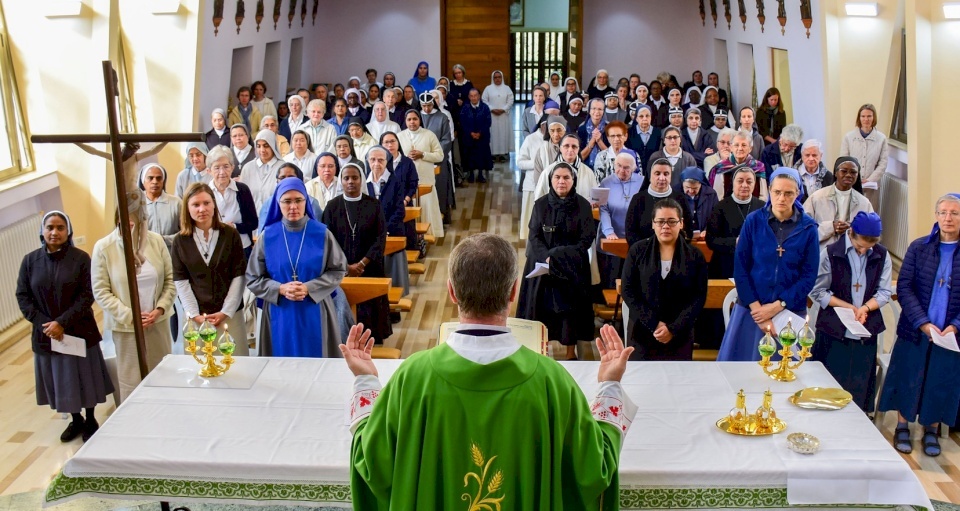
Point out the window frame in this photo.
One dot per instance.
(16, 129)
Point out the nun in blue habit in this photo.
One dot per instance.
(295, 267)
(775, 266)
(923, 382)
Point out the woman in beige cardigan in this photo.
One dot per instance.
(869, 147)
(157, 291)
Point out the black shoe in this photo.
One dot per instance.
(395, 317)
(482, 178)
(89, 428)
(470, 177)
(73, 431)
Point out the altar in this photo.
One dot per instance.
(275, 431)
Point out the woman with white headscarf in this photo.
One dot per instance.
(298, 116)
(218, 134)
(556, 86)
(196, 171)
(423, 147)
(260, 175)
(54, 294)
(499, 98)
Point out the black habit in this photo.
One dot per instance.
(361, 230)
(723, 229)
(639, 221)
(563, 230)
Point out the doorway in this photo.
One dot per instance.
(533, 56)
(781, 79)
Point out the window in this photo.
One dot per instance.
(898, 128)
(15, 150)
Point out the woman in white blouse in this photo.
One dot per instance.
(235, 204)
(209, 265)
(156, 289)
(302, 154)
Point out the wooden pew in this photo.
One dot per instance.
(424, 189)
(395, 244)
(411, 213)
(620, 248)
(361, 289)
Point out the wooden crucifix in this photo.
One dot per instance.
(115, 138)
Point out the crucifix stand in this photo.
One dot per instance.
(115, 138)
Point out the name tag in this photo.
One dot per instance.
(549, 228)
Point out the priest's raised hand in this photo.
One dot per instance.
(613, 356)
(356, 350)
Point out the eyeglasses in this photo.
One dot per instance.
(292, 202)
(672, 222)
(673, 137)
(952, 214)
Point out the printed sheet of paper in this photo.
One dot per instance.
(599, 196)
(849, 320)
(786, 316)
(540, 269)
(948, 341)
(70, 345)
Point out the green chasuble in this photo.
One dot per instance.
(517, 434)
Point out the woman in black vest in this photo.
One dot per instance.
(855, 274)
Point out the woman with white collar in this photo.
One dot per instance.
(218, 134)
(261, 173)
(422, 146)
(556, 86)
(532, 115)
(298, 116)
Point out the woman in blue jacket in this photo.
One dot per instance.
(923, 382)
(775, 267)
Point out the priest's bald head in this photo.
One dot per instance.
(483, 278)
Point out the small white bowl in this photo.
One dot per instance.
(803, 443)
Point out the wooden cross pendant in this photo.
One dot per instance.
(857, 286)
(780, 250)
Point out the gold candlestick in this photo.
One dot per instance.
(208, 334)
(787, 338)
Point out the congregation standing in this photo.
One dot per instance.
(681, 166)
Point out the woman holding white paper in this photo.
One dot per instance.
(54, 294)
(854, 275)
(923, 382)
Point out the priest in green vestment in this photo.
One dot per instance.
(480, 422)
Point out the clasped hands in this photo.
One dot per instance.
(294, 291)
(53, 330)
(763, 314)
(929, 328)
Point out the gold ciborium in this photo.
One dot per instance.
(209, 368)
(787, 338)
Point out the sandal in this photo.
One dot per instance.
(931, 444)
(901, 440)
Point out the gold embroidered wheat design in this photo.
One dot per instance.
(481, 502)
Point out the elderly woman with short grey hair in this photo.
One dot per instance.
(786, 151)
(234, 199)
(723, 144)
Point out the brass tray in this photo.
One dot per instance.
(778, 426)
(821, 398)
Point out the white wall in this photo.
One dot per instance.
(805, 55)
(644, 37)
(216, 53)
(387, 36)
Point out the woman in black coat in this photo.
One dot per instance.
(723, 227)
(562, 230)
(665, 285)
(55, 294)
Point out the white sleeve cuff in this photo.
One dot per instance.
(366, 390)
(613, 406)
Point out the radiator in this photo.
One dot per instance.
(17, 240)
(893, 213)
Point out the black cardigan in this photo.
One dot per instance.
(57, 287)
(675, 300)
(209, 283)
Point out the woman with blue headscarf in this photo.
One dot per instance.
(421, 80)
(775, 267)
(923, 382)
(55, 295)
(295, 269)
